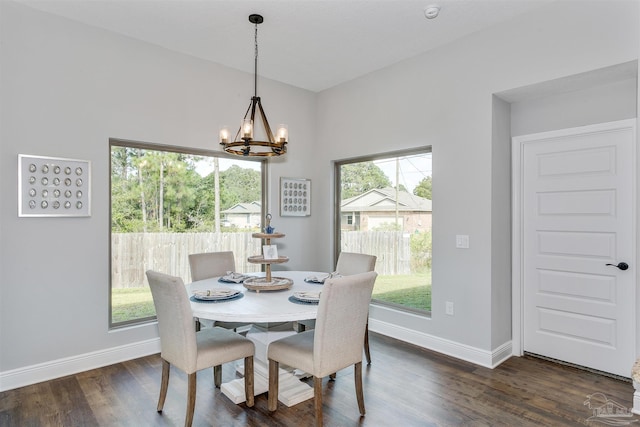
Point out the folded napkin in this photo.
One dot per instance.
(232, 277)
(215, 293)
(321, 279)
(307, 296)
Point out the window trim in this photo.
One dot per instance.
(337, 164)
(118, 142)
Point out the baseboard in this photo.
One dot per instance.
(71, 365)
(489, 359)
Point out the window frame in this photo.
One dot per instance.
(118, 142)
(337, 189)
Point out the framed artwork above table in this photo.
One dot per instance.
(295, 197)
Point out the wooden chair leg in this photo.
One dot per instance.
(367, 353)
(164, 384)
(217, 375)
(191, 400)
(317, 399)
(248, 381)
(273, 385)
(359, 394)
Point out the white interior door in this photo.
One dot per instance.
(578, 216)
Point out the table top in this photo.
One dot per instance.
(257, 307)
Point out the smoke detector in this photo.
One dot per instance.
(432, 12)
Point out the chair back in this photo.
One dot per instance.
(342, 316)
(211, 264)
(175, 320)
(354, 263)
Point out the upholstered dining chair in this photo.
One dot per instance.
(212, 264)
(350, 263)
(191, 351)
(330, 346)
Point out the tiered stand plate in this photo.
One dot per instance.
(267, 283)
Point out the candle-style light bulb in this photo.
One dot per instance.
(224, 135)
(283, 133)
(247, 129)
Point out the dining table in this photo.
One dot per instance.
(268, 315)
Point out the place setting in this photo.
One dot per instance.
(320, 278)
(216, 295)
(305, 297)
(233, 277)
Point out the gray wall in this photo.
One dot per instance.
(448, 93)
(66, 88)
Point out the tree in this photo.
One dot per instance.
(423, 189)
(356, 178)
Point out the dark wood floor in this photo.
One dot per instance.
(404, 386)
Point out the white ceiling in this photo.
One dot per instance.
(311, 44)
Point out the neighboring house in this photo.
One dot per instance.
(242, 215)
(378, 207)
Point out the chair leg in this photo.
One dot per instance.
(191, 400)
(217, 375)
(197, 325)
(367, 353)
(164, 384)
(273, 385)
(317, 399)
(248, 381)
(359, 394)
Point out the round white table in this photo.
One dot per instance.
(262, 307)
(257, 307)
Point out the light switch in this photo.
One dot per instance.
(462, 241)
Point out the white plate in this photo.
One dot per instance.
(215, 294)
(307, 296)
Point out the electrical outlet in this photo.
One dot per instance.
(449, 308)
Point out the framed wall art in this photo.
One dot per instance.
(53, 186)
(295, 197)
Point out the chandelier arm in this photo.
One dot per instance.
(267, 128)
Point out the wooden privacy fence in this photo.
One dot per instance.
(134, 253)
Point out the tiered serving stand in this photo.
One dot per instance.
(267, 283)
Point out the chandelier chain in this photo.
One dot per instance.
(255, 66)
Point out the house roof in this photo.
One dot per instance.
(384, 199)
(244, 208)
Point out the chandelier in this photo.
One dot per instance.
(244, 143)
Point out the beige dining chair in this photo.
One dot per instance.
(212, 264)
(191, 351)
(350, 263)
(330, 346)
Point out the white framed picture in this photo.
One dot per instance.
(295, 197)
(53, 186)
(269, 251)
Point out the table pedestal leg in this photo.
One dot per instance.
(291, 390)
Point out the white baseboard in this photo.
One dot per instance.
(488, 359)
(71, 365)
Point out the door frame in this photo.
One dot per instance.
(517, 280)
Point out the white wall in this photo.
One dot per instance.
(65, 90)
(445, 99)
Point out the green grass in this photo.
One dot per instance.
(412, 291)
(131, 303)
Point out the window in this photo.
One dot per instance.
(385, 210)
(169, 202)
